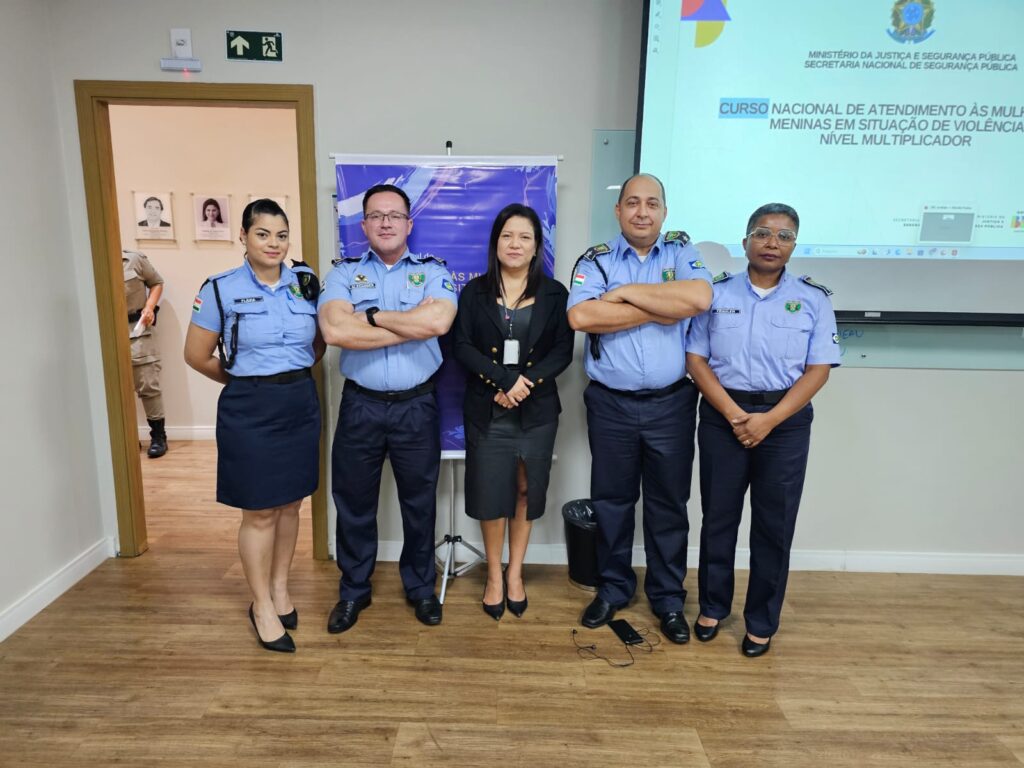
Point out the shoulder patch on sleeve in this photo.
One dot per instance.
(721, 277)
(677, 236)
(596, 250)
(431, 257)
(823, 288)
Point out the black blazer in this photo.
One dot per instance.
(478, 338)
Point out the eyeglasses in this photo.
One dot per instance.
(763, 234)
(377, 217)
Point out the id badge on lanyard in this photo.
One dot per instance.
(510, 352)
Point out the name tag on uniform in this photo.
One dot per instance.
(724, 311)
(510, 355)
(249, 300)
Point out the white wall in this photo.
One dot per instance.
(536, 78)
(903, 462)
(219, 151)
(51, 529)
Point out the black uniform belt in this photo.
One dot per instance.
(134, 317)
(641, 394)
(391, 397)
(279, 378)
(757, 398)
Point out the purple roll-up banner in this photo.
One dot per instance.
(454, 202)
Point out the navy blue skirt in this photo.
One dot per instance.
(268, 443)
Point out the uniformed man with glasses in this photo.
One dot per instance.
(385, 310)
(758, 356)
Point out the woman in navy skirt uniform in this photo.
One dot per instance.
(262, 317)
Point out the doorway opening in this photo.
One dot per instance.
(184, 144)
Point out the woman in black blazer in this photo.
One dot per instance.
(512, 336)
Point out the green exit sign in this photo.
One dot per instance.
(254, 46)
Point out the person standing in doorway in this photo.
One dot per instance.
(143, 287)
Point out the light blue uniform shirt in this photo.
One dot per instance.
(762, 345)
(276, 326)
(367, 282)
(649, 356)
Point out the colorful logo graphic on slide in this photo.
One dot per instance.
(1017, 222)
(710, 16)
(911, 20)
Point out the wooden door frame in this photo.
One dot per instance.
(93, 99)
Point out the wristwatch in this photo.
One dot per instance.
(370, 312)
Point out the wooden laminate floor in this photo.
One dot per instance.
(152, 662)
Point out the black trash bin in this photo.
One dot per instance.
(581, 543)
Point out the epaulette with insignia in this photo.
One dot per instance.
(677, 236)
(721, 277)
(595, 250)
(433, 258)
(823, 288)
(346, 260)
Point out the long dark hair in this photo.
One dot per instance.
(492, 278)
(210, 201)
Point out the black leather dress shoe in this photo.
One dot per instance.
(428, 610)
(752, 649)
(675, 628)
(598, 613)
(704, 634)
(283, 644)
(290, 620)
(344, 615)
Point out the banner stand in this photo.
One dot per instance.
(446, 548)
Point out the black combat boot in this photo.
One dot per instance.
(157, 439)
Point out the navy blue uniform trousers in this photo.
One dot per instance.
(409, 433)
(774, 471)
(646, 441)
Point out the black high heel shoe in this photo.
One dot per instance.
(496, 610)
(517, 607)
(283, 644)
(290, 620)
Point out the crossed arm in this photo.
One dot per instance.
(637, 303)
(343, 327)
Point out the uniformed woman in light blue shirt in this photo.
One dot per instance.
(262, 317)
(758, 356)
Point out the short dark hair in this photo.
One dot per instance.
(157, 199)
(378, 188)
(492, 277)
(622, 189)
(215, 204)
(259, 207)
(772, 208)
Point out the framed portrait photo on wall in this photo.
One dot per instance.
(212, 216)
(154, 216)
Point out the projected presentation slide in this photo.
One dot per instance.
(896, 129)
